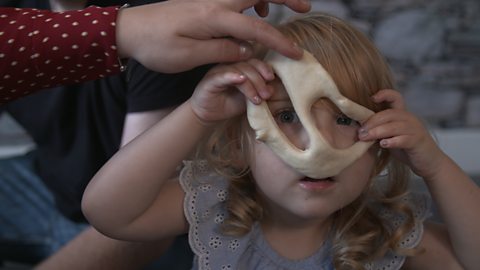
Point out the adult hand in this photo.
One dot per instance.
(177, 35)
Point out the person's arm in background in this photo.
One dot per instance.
(91, 250)
(43, 49)
(149, 98)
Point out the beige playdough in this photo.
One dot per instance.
(306, 81)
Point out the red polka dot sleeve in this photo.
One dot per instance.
(42, 49)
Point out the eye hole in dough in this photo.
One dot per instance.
(307, 82)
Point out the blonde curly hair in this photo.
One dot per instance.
(359, 70)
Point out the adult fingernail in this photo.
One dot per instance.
(298, 49)
(246, 50)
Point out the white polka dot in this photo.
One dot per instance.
(83, 77)
(87, 14)
(14, 63)
(86, 55)
(1, 33)
(47, 62)
(21, 27)
(94, 44)
(66, 57)
(6, 76)
(103, 33)
(113, 24)
(13, 90)
(35, 55)
(105, 13)
(84, 34)
(10, 41)
(68, 16)
(45, 39)
(94, 21)
(53, 77)
(74, 46)
(26, 70)
(36, 32)
(33, 17)
(91, 67)
(20, 81)
(2, 55)
(55, 48)
(72, 71)
(113, 47)
(56, 25)
(64, 35)
(108, 70)
(49, 19)
(59, 67)
(99, 60)
(40, 74)
(65, 78)
(25, 13)
(12, 22)
(32, 84)
(79, 65)
(3, 16)
(107, 54)
(21, 49)
(75, 23)
(40, 15)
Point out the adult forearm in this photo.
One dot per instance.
(43, 49)
(100, 252)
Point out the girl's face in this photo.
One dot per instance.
(289, 193)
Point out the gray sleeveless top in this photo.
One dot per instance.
(205, 210)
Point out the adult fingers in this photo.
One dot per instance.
(394, 98)
(254, 29)
(295, 5)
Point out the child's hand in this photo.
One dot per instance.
(221, 93)
(402, 132)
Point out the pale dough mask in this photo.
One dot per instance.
(306, 81)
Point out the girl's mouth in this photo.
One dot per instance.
(316, 185)
(308, 179)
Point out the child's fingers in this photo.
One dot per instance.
(263, 68)
(394, 98)
(379, 119)
(397, 142)
(387, 130)
(226, 79)
(254, 87)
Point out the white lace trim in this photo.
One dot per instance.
(216, 251)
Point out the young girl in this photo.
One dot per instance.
(245, 208)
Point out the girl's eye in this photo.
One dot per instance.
(344, 120)
(287, 116)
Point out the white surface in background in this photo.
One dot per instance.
(463, 146)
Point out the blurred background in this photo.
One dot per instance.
(433, 47)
